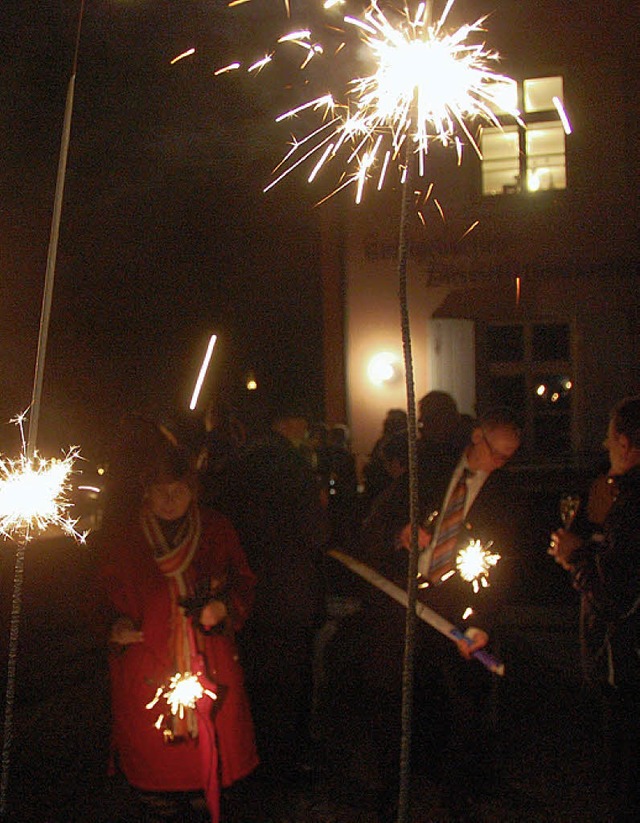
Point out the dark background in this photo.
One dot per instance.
(166, 234)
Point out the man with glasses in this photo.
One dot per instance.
(464, 497)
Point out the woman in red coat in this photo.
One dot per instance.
(181, 588)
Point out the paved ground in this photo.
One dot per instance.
(549, 729)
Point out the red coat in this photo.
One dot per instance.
(138, 590)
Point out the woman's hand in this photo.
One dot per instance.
(124, 633)
(213, 613)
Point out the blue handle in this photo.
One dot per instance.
(486, 658)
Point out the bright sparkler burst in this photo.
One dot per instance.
(33, 494)
(474, 563)
(182, 692)
(426, 84)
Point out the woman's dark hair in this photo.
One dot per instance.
(173, 462)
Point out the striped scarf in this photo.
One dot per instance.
(174, 555)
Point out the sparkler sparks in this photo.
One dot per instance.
(33, 494)
(426, 84)
(182, 692)
(474, 563)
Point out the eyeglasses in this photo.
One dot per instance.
(496, 455)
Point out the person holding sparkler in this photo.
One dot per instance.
(180, 589)
(467, 505)
(606, 571)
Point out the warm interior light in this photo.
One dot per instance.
(382, 368)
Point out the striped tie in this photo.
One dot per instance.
(444, 550)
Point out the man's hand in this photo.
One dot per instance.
(124, 633)
(563, 545)
(478, 638)
(404, 538)
(213, 613)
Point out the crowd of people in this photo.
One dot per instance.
(214, 561)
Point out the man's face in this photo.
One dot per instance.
(491, 450)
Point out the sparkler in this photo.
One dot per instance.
(33, 494)
(426, 84)
(474, 563)
(182, 692)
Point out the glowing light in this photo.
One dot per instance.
(566, 125)
(182, 692)
(541, 390)
(382, 368)
(203, 371)
(427, 82)
(184, 54)
(225, 69)
(474, 563)
(34, 494)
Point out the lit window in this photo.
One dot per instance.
(501, 160)
(530, 155)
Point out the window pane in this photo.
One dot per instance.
(505, 344)
(550, 341)
(540, 91)
(545, 146)
(500, 150)
(508, 391)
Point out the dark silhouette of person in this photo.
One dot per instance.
(273, 500)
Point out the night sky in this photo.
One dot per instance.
(166, 235)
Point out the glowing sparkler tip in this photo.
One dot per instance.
(474, 563)
(426, 82)
(34, 494)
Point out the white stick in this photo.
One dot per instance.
(427, 615)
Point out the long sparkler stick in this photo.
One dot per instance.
(45, 315)
(414, 503)
(427, 615)
(52, 253)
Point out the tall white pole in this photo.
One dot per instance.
(45, 314)
(18, 575)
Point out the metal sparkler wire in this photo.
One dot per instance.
(18, 579)
(425, 85)
(414, 504)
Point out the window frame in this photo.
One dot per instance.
(527, 164)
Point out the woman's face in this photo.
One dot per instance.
(169, 501)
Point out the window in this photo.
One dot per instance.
(530, 155)
(529, 368)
